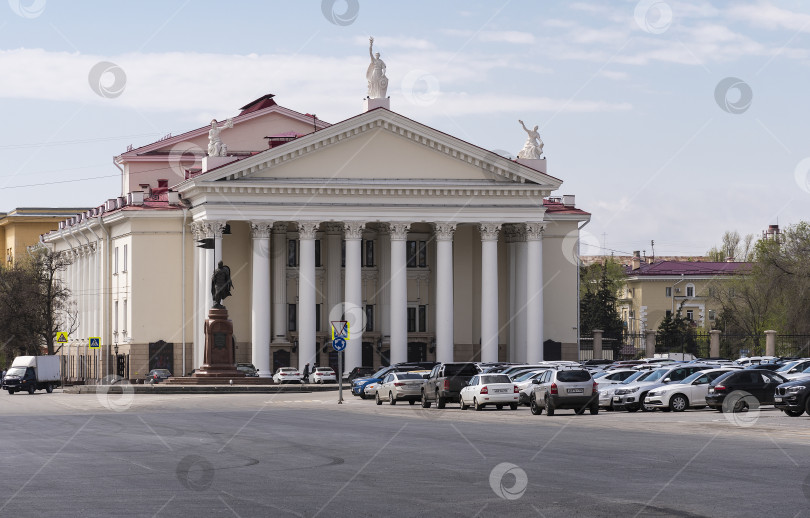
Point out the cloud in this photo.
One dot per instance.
(388, 42)
(516, 37)
(771, 17)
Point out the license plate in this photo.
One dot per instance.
(576, 391)
(616, 399)
(499, 390)
(777, 400)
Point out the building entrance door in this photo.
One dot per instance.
(281, 358)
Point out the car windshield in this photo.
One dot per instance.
(635, 377)
(786, 367)
(460, 369)
(573, 376)
(693, 377)
(526, 376)
(495, 378)
(16, 371)
(656, 375)
(409, 376)
(599, 375)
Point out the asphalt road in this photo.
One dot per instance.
(303, 455)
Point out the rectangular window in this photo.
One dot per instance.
(712, 292)
(690, 315)
(711, 314)
(292, 318)
(292, 253)
(669, 314)
(422, 254)
(690, 291)
(412, 320)
(422, 319)
(369, 252)
(115, 316)
(410, 248)
(669, 291)
(125, 263)
(124, 318)
(369, 317)
(115, 260)
(317, 253)
(317, 318)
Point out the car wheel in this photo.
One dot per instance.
(425, 402)
(10, 392)
(31, 389)
(632, 408)
(678, 403)
(464, 406)
(644, 407)
(391, 399)
(363, 395)
(377, 399)
(740, 406)
(513, 406)
(411, 402)
(499, 407)
(594, 408)
(49, 389)
(440, 401)
(794, 413)
(478, 407)
(807, 405)
(549, 407)
(535, 408)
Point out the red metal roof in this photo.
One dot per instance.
(556, 207)
(689, 268)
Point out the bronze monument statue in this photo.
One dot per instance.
(221, 285)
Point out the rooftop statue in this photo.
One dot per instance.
(215, 145)
(377, 82)
(533, 148)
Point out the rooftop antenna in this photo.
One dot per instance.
(652, 246)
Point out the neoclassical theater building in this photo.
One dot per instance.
(431, 247)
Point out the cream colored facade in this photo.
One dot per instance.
(497, 277)
(23, 226)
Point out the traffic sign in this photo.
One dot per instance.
(61, 337)
(339, 344)
(95, 342)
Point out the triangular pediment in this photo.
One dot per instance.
(379, 145)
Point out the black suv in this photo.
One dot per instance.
(791, 397)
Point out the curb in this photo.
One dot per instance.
(198, 389)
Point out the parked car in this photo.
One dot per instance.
(525, 386)
(445, 382)
(248, 369)
(489, 389)
(565, 389)
(606, 392)
(691, 392)
(157, 375)
(287, 375)
(793, 397)
(797, 375)
(748, 360)
(631, 397)
(370, 390)
(359, 372)
(765, 366)
(761, 384)
(400, 386)
(614, 377)
(359, 384)
(794, 369)
(323, 375)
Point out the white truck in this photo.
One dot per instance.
(32, 373)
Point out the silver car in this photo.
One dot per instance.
(569, 388)
(400, 386)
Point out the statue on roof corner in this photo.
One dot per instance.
(533, 148)
(215, 145)
(377, 82)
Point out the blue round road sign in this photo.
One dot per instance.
(339, 344)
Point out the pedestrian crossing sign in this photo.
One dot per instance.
(61, 337)
(95, 342)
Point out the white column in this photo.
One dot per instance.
(334, 284)
(489, 291)
(520, 293)
(444, 291)
(210, 266)
(511, 259)
(279, 252)
(353, 309)
(203, 296)
(534, 292)
(399, 293)
(260, 299)
(218, 226)
(195, 320)
(383, 298)
(306, 293)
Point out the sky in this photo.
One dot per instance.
(670, 121)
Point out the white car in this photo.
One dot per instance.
(287, 375)
(606, 393)
(524, 385)
(489, 389)
(795, 369)
(749, 360)
(400, 386)
(370, 390)
(691, 392)
(613, 377)
(323, 375)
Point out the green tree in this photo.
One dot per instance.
(599, 284)
(677, 333)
